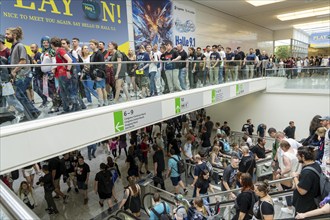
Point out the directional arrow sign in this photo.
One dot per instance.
(177, 105)
(118, 121)
(213, 95)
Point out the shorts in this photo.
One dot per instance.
(175, 180)
(100, 84)
(82, 185)
(29, 172)
(57, 183)
(105, 195)
(144, 160)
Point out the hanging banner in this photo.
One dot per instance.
(320, 40)
(103, 20)
(184, 25)
(152, 21)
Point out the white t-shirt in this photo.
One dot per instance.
(222, 56)
(153, 66)
(187, 149)
(207, 58)
(155, 130)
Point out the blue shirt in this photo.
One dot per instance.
(159, 208)
(144, 56)
(173, 165)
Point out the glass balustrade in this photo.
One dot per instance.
(41, 91)
(309, 79)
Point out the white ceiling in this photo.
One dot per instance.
(265, 16)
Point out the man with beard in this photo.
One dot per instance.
(307, 183)
(22, 76)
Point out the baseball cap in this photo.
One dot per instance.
(2, 38)
(178, 197)
(325, 118)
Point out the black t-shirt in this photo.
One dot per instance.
(159, 158)
(175, 146)
(97, 57)
(237, 57)
(203, 185)
(289, 131)
(132, 164)
(226, 129)
(199, 168)
(104, 181)
(205, 138)
(214, 56)
(229, 176)
(200, 63)
(69, 164)
(309, 181)
(229, 57)
(244, 204)
(54, 164)
(170, 56)
(241, 53)
(81, 172)
(48, 182)
(248, 128)
(184, 56)
(209, 126)
(259, 151)
(247, 164)
(263, 207)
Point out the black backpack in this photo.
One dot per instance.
(324, 185)
(180, 165)
(162, 216)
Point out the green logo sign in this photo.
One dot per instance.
(118, 121)
(213, 96)
(177, 105)
(239, 89)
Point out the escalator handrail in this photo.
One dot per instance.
(164, 191)
(125, 212)
(238, 189)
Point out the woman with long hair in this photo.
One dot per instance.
(132, 200)
(264, 207)
(246, 199)
(25, 193)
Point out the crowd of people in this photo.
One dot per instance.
(150, 70)
(188, 140)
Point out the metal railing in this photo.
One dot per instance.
(14, 206)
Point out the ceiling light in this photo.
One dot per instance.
(258, 3)
(304, 14)
(317, 24)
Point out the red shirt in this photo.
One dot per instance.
(144, 146)
(5, 53)
(60, 70)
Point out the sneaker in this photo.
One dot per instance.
(148, 172)
(53, 212)
(89, 104)
(56, 197)
(287, 210)
(185, 191)
(284, 203)
(65, 199)
(69, 189)
(76, 190)
(141, 172)
(101, 203)
(85, 201)
(109, 210)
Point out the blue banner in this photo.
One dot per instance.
(320, 40)
(103, 20)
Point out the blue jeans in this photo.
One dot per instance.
(21, 87)
(206, 72)
(152, 83)
(182, 78)
(88, 87)
(65, 85)
(220, 77)
(91, 150)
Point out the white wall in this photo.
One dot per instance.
(214, 27)
(273, 109)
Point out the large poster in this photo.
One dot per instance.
(184, 25)
(320, 40)
(152, 21)
(103, 20)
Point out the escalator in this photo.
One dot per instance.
(226, 206)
